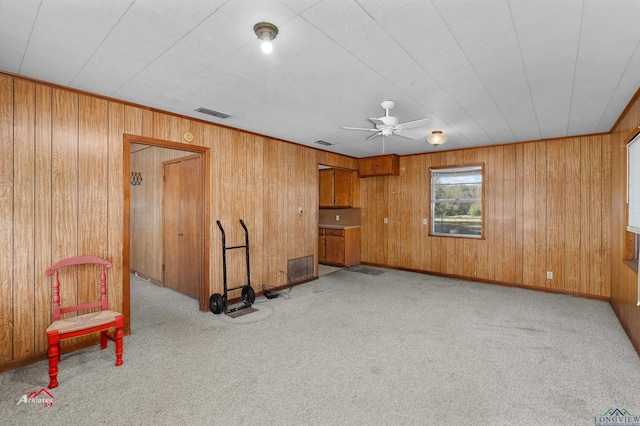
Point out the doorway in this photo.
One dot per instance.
(200, 261)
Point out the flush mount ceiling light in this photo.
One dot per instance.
(266, 32)
(437, 138)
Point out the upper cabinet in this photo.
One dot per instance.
(336, 188)
(381, 165)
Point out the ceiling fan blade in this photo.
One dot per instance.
(408, 134)
(377, 121)
(374, 135)
(361, 128)
(412, 124)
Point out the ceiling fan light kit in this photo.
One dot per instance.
(266, 32)
(437, 138)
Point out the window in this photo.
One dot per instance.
(633, 200)
(456, 201)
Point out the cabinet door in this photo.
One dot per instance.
(342, 188)
(321, 248)
(334, 249)
(326, 188)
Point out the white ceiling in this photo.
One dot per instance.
(483, 71)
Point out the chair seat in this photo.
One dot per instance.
(93, 319)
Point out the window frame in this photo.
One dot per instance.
(432, 216)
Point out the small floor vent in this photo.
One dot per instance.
(300, 269)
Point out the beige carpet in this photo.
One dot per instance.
(350, 348)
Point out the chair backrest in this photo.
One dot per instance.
(103, 303)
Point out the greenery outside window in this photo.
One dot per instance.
(456, 201)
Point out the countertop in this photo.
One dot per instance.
(334, 226)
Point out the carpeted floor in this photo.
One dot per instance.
(348, 349)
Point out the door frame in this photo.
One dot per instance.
(204, 151)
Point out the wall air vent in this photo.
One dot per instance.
(212, 112)
(325, 143)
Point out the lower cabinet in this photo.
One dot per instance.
(339, 247)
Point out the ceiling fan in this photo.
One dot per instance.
(388, 125)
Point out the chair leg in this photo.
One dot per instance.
(54, 356)
(119, 334)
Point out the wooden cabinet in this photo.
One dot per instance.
(381, 165)
(335, 188)
(339, 247)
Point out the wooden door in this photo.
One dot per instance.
(183, 211)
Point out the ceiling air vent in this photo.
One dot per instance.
(325, 143)
(212, 112)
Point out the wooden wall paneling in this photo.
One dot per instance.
(518, 166)
(482, 246)
(148, 123)
(166, 127)
(511, 241)
(92, 190)
(6, 218)
(239, 199)
(372, 225)
(494, 220)
(23, 223)
(134, 122)
(571, 230)
(583, 213)
(541, 214)
(499, 199)
(42, 215)
(336, 160)
(412, 207)
(211, 139)
(255, 191)
(528, 219)
(272, 204)
(118, 289)
(555, 213)
(606, 214)
(393, 233)
(197, 129)
(594, 250)
(422, 182)
(65, 189)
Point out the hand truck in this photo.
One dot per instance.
(219, 302)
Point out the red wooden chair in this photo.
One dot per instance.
(100, 320)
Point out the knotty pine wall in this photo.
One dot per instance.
(547, 207)
(62, 194)
(624, 279)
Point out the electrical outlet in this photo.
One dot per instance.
(337, 218)
(424, 221)
(386, 220)
(300, 211)
(549, 275)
